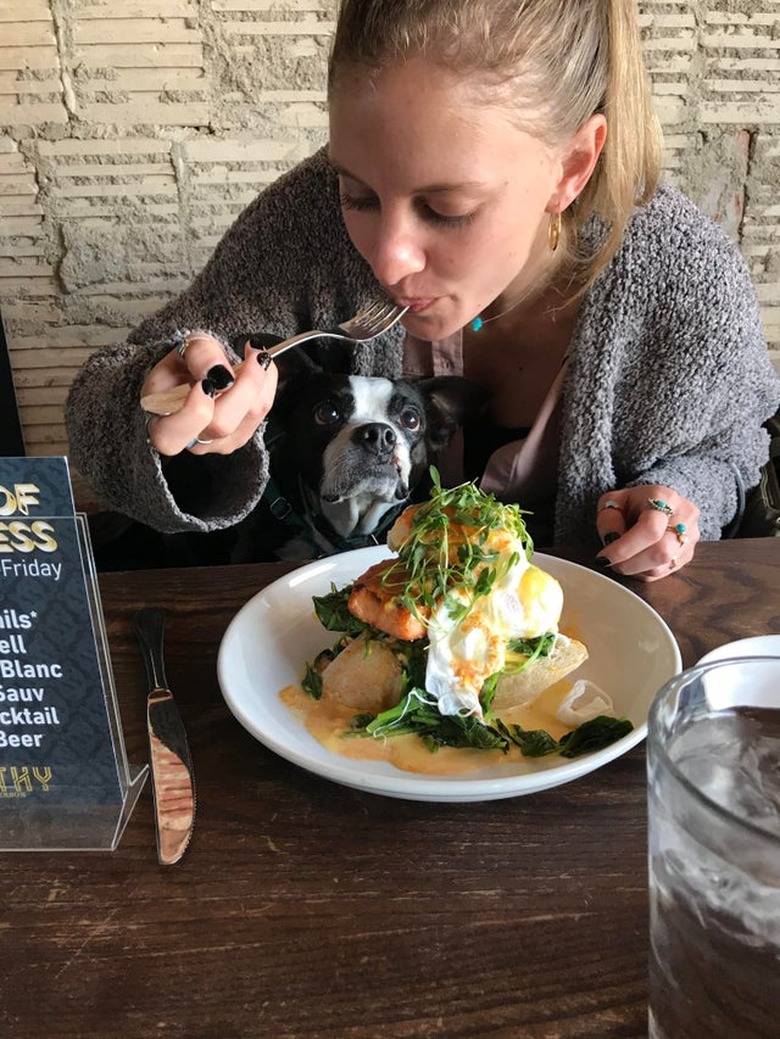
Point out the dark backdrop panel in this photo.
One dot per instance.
(11, 439)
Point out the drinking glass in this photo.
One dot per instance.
(714, 852)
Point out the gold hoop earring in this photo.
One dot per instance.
(554, 231)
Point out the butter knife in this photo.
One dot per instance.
(169, 753)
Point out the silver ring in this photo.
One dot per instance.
(611, 505)
(149, 417)
(660, 506)
(196, 440)
(186, 343)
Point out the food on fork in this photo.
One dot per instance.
(455, 633)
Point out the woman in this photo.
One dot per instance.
(493, 165)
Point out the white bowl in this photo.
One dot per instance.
(632, 654)
(733, 685)
(757, 646)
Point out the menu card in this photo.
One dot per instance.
(64, 777)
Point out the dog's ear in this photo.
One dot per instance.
(450, 400)
(295, 368)
(299, 364)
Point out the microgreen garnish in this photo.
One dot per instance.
(522, 652)
(456, 543)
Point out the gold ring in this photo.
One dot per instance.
(660, 506)
(678, 529)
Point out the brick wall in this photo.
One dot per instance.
(133, 132)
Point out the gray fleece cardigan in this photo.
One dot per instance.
(669, 379)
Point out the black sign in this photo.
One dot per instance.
(58, 726)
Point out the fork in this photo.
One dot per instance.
(366, 325)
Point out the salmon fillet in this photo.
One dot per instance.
(375, 600)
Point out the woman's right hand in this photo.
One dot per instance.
(225, 403)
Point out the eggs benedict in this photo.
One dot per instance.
(455, 631)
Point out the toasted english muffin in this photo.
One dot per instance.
(366, 675)
(522, 688)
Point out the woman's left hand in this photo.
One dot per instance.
(647, 531)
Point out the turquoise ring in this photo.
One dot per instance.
(678, 529)
(660, 506)
(194, 441)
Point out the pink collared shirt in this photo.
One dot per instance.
(523, 471)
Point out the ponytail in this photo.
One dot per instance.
(629, 166)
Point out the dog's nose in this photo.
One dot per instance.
(376, 437)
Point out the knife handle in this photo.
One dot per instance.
(150, 630)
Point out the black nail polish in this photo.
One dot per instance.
(264, 360)
(263, 340)
(208, 387)
(220, 376)
(603, 561)
(610, 537)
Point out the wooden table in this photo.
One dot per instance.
(306, 909)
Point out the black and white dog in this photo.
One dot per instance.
(347, 453)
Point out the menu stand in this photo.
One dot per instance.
(65, 781)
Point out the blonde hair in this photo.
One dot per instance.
(559, 61)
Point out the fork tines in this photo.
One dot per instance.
(376, 315)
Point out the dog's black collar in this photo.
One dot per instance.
(310, 528)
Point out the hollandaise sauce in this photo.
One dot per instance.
(329, 721)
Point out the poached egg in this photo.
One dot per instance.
(468, 645)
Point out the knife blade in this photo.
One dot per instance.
(173, 784)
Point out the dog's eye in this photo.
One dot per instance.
(410, 419)
(327, 413)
